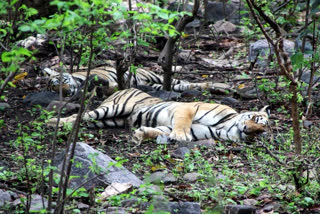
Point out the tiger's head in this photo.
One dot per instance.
(69, 83)
(253, 123)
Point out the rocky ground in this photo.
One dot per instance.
(194, 177)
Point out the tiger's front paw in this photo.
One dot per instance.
(180, 135)
(138, 136)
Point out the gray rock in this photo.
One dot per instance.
(229, 101)
(38, 203)
(307, 123)
(262, 49)
(3, 106)
(249, 93)
(160, 204)
(163, 139)
(307, 46)
(5, 197)
(185, 208)
(161, 177)
(224, 27)
(305, 77)
(42, 98)
(220, 88)
(116, 210)
(67, 107)
(224, 10)
(250, 202)
(221, 177)
(191, 177)
(165, 95)
(210, 143)
(180, 152)
(83, 157)
(240, 209)
(169, 178)
(194, 25)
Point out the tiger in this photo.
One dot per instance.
(107, 76)
(179, 121)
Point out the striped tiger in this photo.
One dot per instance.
(180, 121)
(107, 76)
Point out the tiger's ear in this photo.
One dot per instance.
(266, 109)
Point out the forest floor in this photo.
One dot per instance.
(237, 172)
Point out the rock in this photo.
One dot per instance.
(160, 204)
(191, 93)
(116, 210)
(262, 49)
(41, 98)
(163, 139)
(180, 152)
(249, 93)
(224, 11)
(3, 106)
(191, 177)
(250, 202)
(5, 197)
(223, 27)
(240, 209)
(109, 174)
(305, 77)
(161, 177)
(165, 95)
(307, 124)
(220, 88)
(67, 107)
(307, 45)
(192, 26)
(115, 189)
(229, 101)
(38, 203)
(185, 208)
(274, 206)
(210, 143)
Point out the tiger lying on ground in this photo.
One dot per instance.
(107, 76)
(179, 120)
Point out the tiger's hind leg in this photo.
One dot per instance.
(144, 133)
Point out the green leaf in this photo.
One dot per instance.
(6, 57)
(24, 28)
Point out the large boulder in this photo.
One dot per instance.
(106, 172)
(262, 49)
(229, 11)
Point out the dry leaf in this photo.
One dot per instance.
(241, 86)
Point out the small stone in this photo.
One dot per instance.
(221, 177)
(191, 177)
(161, 176)
(169, 178)
(165, 95)
(307, 124)
(180, 152)
(5, 197)
(224, 27)
(240, 209)
(163, 139)
(250, 202)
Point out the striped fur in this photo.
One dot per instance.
(180, 121)
(73, 82)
